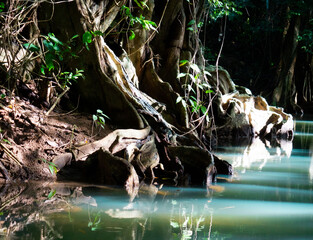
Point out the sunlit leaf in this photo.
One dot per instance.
(195, 67)
(52, 169)
(183, 62)
(180, 75)
(138, 4)
(200, 24)
(184, 103)
(75, 36)
(174, 224)
(207, 73)
(42, 70)
(87, 38)
(179, 99)
(52, 193)
(132, 35)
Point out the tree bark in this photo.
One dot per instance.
(285, 72)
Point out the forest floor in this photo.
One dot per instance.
(30, 140)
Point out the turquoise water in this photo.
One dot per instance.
(269, 197)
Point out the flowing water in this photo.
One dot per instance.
(269, 197)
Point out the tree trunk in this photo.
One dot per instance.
(282, 95)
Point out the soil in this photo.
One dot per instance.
(29, 139)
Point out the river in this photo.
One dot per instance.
(268, 197)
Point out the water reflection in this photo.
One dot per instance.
(257, 152)
(68, 211)
(311, 166)
(270, 197)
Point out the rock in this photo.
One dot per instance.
(222, 166)
(113, 170)
(248, 116)
(197, 162)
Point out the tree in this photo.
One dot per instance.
(143, 65)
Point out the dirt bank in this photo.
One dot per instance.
(29, 139)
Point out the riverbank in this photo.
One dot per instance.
(30, 139)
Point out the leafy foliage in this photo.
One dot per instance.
(192, 95)
(88, 36)
(306, 38)
(70, 77)
(2, 6)
(145, 24)
(99, 118)
(218, 9)
(56, 51)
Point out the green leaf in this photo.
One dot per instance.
(191, 22)
(53, 164)
(42, 70)
(56, 48)
(54, 39)
(31, 47)
(138, 4)
(200, 24)
(203, 109)
(97, 33)
(52, 168)
(75, 36)
(6, 141)
(1, 213)
(132, 35)
(52, 193)
(192, 97)
(190, 29)
(183, 62)
(49, 57)
(94, 117)
(209, 91)
(48, 45)
(87, 38)
(101, 119)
